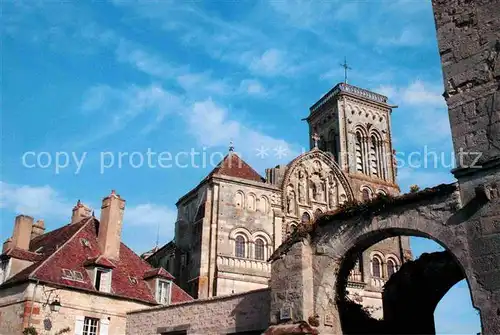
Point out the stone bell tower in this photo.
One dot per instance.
(354, 126)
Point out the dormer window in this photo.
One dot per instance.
(163, 291)
(102, 280)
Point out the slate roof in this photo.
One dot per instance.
(74, 247)
(233, 166)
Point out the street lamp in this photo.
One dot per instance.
(55, 306)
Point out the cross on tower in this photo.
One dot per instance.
(231, 146)
(315, 138)
(346, 67)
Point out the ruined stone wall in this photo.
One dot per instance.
(468, 35)
(218, 315)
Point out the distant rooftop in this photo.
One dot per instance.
(343, 87)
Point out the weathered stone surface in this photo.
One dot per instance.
(222, 315)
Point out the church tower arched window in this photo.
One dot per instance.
(374, 156)
(376, 267)
(239, 246)
(332, 145)
(259, 249)
(392, 267)
(360, 157)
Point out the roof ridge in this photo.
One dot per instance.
(33, 273)
(138, 256)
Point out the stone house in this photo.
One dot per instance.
(78, 279)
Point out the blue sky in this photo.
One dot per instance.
(170, 76)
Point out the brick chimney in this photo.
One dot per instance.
(110, 227)
(7, 245)
(22, 232)
(80, 212)
(38, 229)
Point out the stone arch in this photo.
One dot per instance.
(366, 193)
(326, 161)
(305, 218)
(262, 234)
(263, 204)
(267, 245)
(239, 199)
(437, 217)
(251, 202)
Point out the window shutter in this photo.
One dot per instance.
(79, 320)
(103, 327)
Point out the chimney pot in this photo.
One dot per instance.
(38, 229)
(80, 212)
(22, 232)
(110, 225)
(7, 245)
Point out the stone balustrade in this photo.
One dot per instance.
(244, 263)
(377, 282)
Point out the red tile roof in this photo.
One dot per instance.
(23, 254)
(72, 247)
(158, 272)
(232, 165)
(99, 261)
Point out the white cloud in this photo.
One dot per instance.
(417, 93)
(420, 93)
(211, 125)
(271, 62)
(44, 202)
(151, 217)
(122, 106)
(146, 62)
(38, 201)
(252, 87)
(409, 37)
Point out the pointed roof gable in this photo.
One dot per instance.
(69, 251)
(233, 166)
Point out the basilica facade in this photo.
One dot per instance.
(232, 221)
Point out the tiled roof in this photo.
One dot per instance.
(71, 248)
(233, 166)
(158, 272)
(23, 254)
(99, 261)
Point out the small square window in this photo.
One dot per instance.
(90, 326)
(78, 275)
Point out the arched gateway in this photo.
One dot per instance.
(310, 270)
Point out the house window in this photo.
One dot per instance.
(4, 270)
(376, 267)
(240, 246)
(102, 280)
(90, 326)
(392, 267)
(163, 292)
(259, 249)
